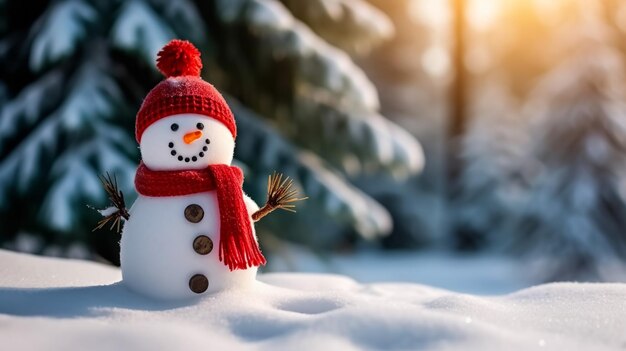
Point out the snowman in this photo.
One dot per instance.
(190, 232)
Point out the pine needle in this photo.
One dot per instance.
(280, 195)
(117, 200)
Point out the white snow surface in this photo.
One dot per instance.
(470, 274)
(58, 304)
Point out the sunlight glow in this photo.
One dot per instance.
(436, 61)
(620, 18)
(435, 14)
(482, 14)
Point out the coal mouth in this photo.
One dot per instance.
(192, 158)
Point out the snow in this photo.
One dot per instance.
(88, 102)
(93, 93)
(83, 302)
(27, 106)
(369, 218)
(578, 141)
(366, 16)
(271, 15)
(62, 29)
(108, 211)
(485, 274)
(78, 179)
(341, 201)
(372, 141)
(139, 28)
(353, 25)
(317, 62)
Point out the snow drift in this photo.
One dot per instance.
(56, 304)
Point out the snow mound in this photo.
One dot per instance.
(55, 304)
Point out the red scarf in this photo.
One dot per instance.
(238, 248)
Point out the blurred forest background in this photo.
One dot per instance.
(468, 126)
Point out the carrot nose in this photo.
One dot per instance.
(191, 137)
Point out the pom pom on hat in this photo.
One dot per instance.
(179, 58)
(183, 91)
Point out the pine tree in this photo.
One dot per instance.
(73, 73)
(412, 94)
(352, 25)
(494, 181)
(576, 211)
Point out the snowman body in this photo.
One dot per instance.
(164, 246)
(170, 245)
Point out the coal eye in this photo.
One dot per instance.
(174, 127)
(200, 126)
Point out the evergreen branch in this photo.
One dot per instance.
(117, 199)
(280, 195)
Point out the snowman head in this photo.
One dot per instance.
(184, 122)
(186, 141)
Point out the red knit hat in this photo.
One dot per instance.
(183, 91)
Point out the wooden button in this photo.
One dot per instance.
(194, 213)
(202, 244)
(198, 283)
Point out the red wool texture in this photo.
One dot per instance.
(238, 248)
(179, 58)
(183, 91)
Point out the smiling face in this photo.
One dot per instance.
(186, 141)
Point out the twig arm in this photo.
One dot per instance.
(280, 195)
(117, 211)
(262, 212)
